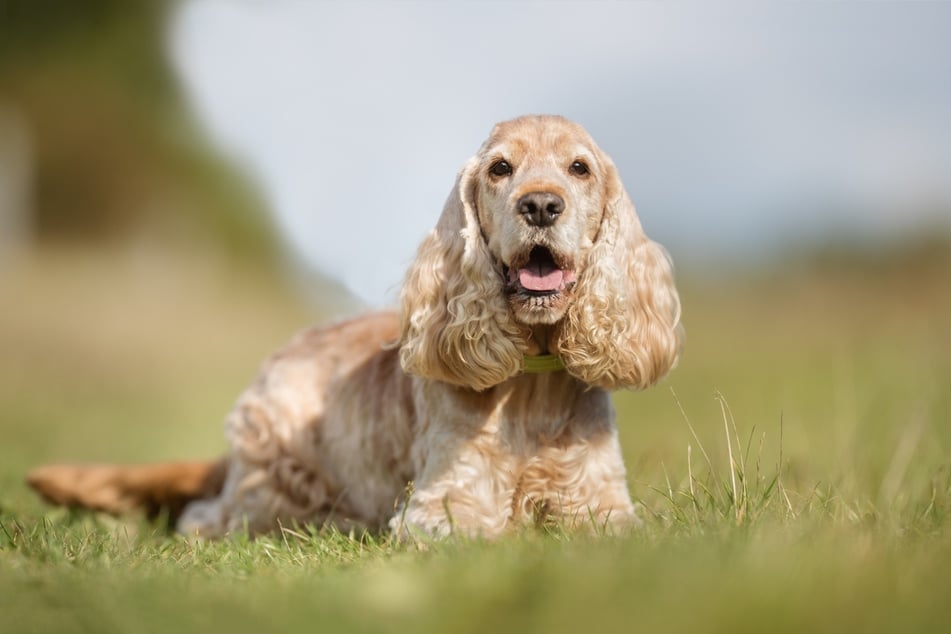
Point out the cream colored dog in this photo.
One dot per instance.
(536, 293)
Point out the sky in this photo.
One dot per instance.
(739, 129)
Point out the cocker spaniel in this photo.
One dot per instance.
(536, 293)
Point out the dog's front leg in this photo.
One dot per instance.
(465, 486)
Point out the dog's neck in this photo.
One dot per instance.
(542, 341)
(539, 358)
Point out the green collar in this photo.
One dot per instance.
(542, 363)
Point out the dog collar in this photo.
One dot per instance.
(542, 363)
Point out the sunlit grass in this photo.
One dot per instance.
(792, 473)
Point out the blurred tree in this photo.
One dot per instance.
(114, 150)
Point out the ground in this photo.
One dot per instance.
(793, 470)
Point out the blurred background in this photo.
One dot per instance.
(185, 184)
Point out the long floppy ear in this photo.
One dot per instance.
(623, 329)
(455, 325)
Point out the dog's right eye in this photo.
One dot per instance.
(500, 168)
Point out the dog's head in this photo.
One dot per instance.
(538, 231)
(538, 188)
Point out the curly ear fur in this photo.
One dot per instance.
(623, 329)
(455, 324)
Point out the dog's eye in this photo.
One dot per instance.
(500, 168)
(579, 168)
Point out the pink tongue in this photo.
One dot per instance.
(537, 278)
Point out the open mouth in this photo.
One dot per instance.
(540, 275)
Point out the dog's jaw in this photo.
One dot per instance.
(539, 285)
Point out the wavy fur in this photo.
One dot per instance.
(338, 422)
(456, 326)
(623, 329)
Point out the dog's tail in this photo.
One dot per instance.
(119, 489)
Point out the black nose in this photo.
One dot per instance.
(541, 209)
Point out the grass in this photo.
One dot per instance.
(793, 472)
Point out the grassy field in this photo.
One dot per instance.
(793, 471)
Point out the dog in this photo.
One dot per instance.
(536, 294)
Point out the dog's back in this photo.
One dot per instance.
(310, 404)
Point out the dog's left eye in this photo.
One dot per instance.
(579, 168)
(500, 168)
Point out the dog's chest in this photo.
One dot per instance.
(541, 448)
